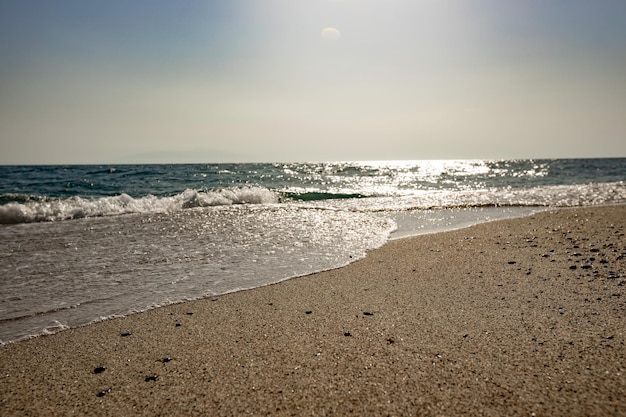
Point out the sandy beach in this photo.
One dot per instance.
(522, 317)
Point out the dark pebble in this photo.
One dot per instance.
(512, 262)
(586, 267)
(572, 267)
(178, 324)
(103, 392)
(347, 334)
(99, 370)
(152, 378)
(126, 334)
(367, 313)
(189, 313)
(308, 312)
(166, 360)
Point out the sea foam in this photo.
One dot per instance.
(55, 209)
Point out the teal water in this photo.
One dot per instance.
(41, 193)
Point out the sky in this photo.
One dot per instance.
(118, 81)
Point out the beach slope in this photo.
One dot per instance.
(515, 317)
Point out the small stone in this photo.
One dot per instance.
(99, 370)
(178, 324)
(308, 312)
(512, 262)
(367, 313)
(347, 334)
(573, 267)
(103, 392)
(126, 334)
(151, 378)
(166, 359)
(190, 313)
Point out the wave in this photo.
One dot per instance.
(315, 196)
(591, 194)
(30, 209)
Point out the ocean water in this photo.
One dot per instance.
(79, 244)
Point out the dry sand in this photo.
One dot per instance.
(515, 317)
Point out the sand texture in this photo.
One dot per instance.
(518, 317)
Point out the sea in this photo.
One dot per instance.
(85, 243)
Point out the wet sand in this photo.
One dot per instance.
(515, 317)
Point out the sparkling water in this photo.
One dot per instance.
(84, 243)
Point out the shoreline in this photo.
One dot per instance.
(409, 223)
(418, 222)
(492, 319)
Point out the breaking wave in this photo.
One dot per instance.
(29, 209)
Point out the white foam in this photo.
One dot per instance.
(77, 207)
(108, 266)
(229, 196)
(55, 327)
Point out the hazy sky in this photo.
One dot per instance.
(306, 80)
